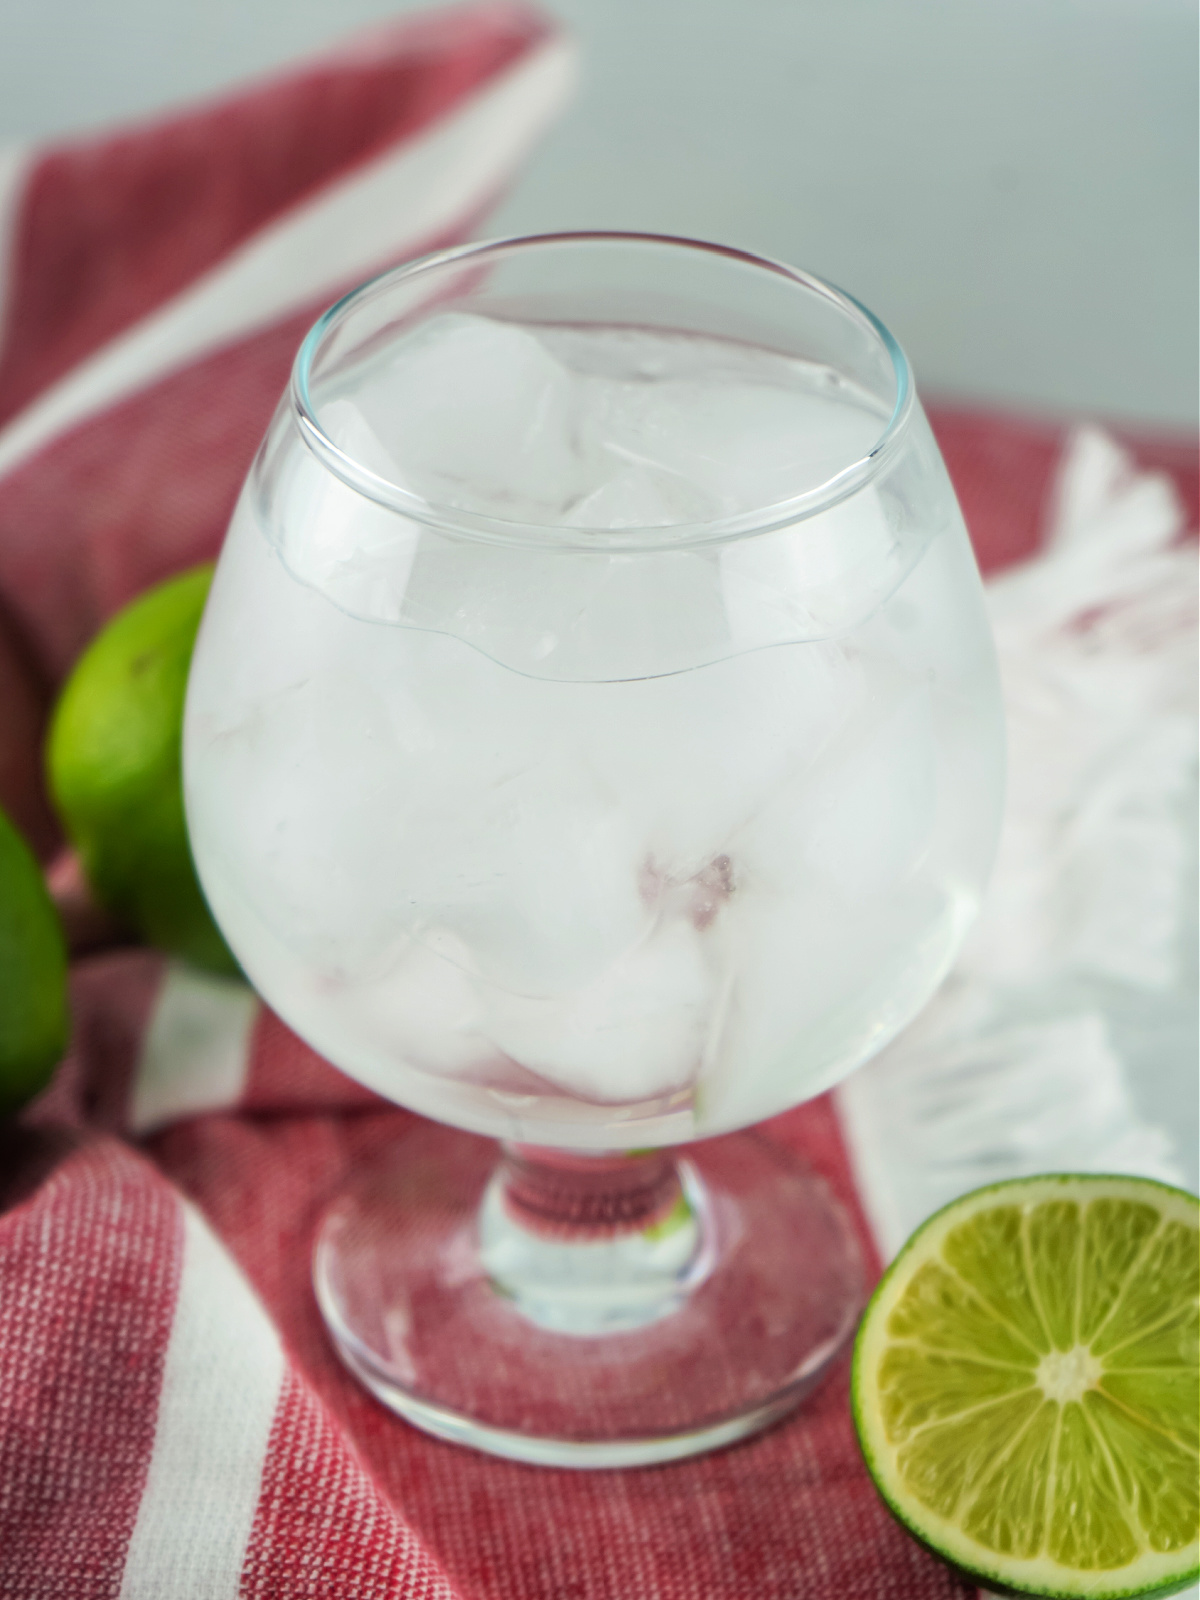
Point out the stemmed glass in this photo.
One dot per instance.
(594, 743)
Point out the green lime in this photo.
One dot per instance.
(114, 768)
(34, 1021)
(1025, 1386)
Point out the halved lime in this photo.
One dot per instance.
(1025, 1386)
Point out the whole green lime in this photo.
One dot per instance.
(114, 768)
(34, 1021)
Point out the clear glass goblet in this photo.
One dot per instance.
(594, 743)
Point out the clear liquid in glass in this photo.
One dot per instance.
(563, 907)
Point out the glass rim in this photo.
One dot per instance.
(455, 521)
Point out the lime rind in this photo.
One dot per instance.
(1011, 1437)
(34, 1012)
(114, 768)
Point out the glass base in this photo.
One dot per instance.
(582, 1311)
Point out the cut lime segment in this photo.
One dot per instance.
(1025, 1386)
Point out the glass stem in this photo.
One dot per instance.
(593, 1244)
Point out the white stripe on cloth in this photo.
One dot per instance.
(221, 1385)
(388, 208)
(195, 1053)
(14, 165)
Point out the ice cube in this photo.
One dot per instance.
(343, 421)
(423, 1008)
(643, 497)
(302, 841)
(489, 814)
(477, 412)
(635, 1033)
(783, 953)
(696, 755)
(335, 538)
(745, 444)
(822, 575)
(873, 807)
(537, 876)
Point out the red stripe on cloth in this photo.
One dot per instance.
(111, 227)
(793, 1506)
(322, 1527)
(1004, 469)
(89, 1272)
(288, 1075)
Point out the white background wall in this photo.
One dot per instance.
(1011, 184)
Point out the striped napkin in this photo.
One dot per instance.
(173, 1422)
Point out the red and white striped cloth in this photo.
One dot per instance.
(172, 1420)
